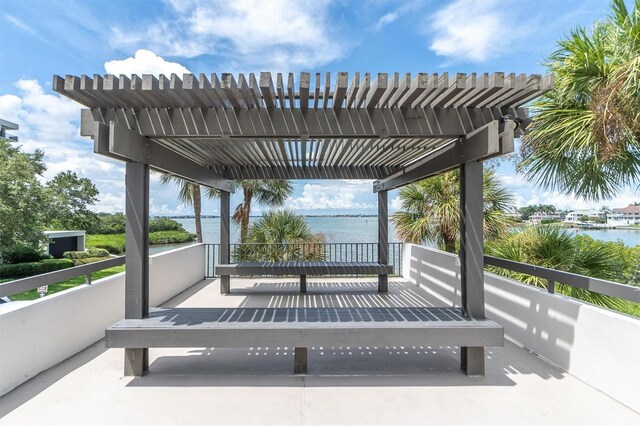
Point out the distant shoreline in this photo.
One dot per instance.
(306, 215)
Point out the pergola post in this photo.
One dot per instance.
(472, 258)
(136, 360)
(225, 221)
(383, 239)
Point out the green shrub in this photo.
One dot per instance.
(110, 248)
(170, 237)
(88, 253)
(114, 244)
(111, 224)
(22, 253)
(164, 224)
(28, 269)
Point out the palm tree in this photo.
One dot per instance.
(281, 236)
(271, 193)
(431, 210)
(556, 248)
(190, 194)
(586, 135)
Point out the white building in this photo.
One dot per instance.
(538, 217)
(629, 215)
(576, 215)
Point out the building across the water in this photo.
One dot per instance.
(580, 215)
(629, 215)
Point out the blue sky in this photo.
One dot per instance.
(41, 38)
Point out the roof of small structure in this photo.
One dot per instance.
(302, 126)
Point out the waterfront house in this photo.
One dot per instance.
(625, 216)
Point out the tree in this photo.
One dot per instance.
(557, 248)
(190, 194)
(69, 197)
(281, 236)
(270, 193)
(586, 135)
(23, 200)
(431, 210)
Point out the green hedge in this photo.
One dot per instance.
(114, 243)
(28, 269)
(21, 254)
(170, 237)
(88, 253)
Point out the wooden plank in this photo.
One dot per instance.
(304, 327)
(267, 90)
(303, 268)
(340, 91)
(378, 88)
(305, 82)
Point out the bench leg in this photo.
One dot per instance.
(300, 361)
(472, 360)
(303, 283)
(136, 362)
(225, 284)
(383, 283)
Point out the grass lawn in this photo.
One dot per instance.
(64, 285)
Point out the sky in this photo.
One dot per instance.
(41, 38)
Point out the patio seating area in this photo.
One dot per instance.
(344, 385)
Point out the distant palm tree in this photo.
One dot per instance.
(557, 248)
(190, 194)
(586, 135)
(270, 193)
(282, 235)
(431, 210)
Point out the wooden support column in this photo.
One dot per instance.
(472, 258)
(136, 360)
(225, 221)
(300, 360)
(383, 239)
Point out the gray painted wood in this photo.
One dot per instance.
(472, 258)
(304, 327)
(300, 361)
(302, 268)
(225, 231)
(383, 239)
(137, 259)
(481, 144)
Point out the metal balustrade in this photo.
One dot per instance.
(329, 252)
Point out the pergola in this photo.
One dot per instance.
(394, 129)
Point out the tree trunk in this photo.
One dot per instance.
(449, 244)
(246, 212)
(197, 211)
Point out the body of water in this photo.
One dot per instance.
(335, 229)
(364, 230)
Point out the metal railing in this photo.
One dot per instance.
(329, 252)
(30, 283)
(553, 276)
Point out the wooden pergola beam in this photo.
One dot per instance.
(292, 124)
(482, 144)
(128, 145)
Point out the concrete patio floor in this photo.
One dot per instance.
(408, 385)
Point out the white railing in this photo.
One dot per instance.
(39, 334)
(594, 344)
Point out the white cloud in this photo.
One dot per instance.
(144, 62)
(385, 20)
(49, 122)
(396, 204)
(277, 33)
(329, 196)
(21, 25)
(475, 30)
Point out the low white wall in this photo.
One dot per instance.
(596, 345)
(45, 332)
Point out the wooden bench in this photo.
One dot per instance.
(301, 328)
(299, 268)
